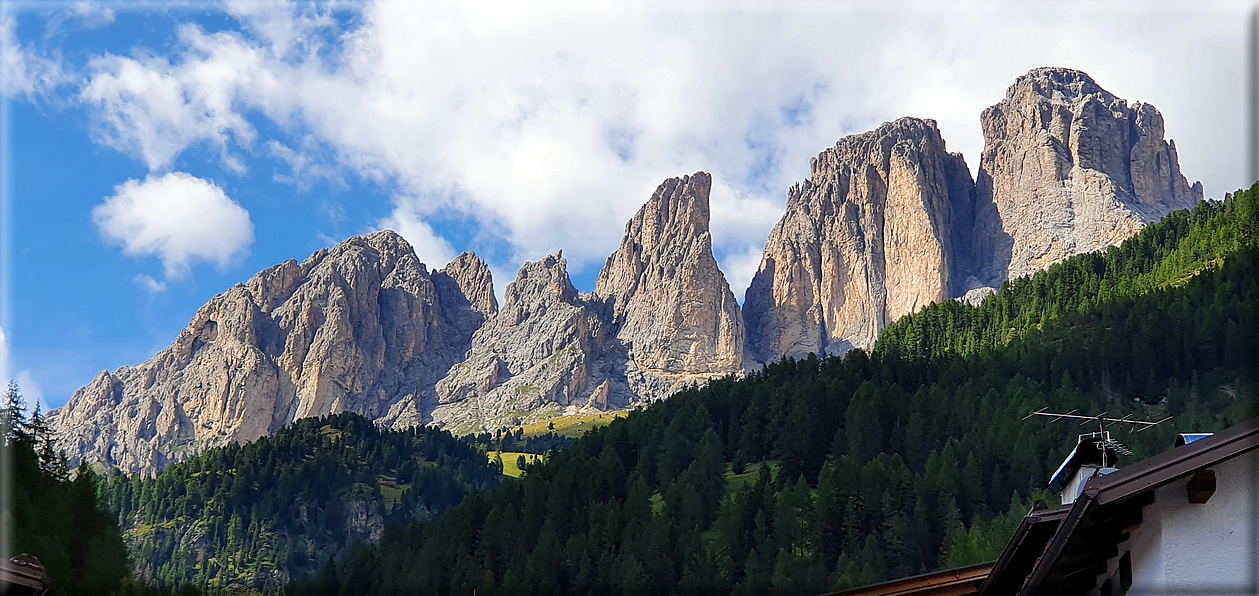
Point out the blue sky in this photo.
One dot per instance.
(157, 156)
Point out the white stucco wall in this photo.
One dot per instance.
(1182, 548)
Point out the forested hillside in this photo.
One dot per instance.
(53, 517)
(820, 474)
(1162, 255)
(249, 517)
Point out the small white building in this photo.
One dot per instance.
(1183, 522)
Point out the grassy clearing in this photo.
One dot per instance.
(391, 491)
(572, 426)
(509, 461)
(750, 475)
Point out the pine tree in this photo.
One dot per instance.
(12, 414)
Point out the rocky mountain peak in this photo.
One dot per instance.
(540, 282)
(473, 277)
(670, 303)
(358, 327)
(662, 315)
(531, 359)
(880, 229)
(887, 222)
(1060, 84)
(1067, 168)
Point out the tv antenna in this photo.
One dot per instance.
(1102, 438)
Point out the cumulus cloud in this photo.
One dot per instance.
(178, 218)
(431, 249)
(152, 109)
(552, 123)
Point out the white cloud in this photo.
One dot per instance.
(153, 109)
(149, 284)
(305, 167)
(432, 250)
(4, 357)
(92, 15)
(178, 218)
(31, 391)
(81, 15)
(23, 70)
(552, 123)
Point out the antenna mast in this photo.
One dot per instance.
(1102, 436)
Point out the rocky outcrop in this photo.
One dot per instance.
(473, 281)
(888, 222)
(880, 229)
(536, 356)
(359, 327)
(670, 303)
(661, 316)
(1069, 168)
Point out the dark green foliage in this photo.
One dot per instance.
(1162, 255)
(250, 517)
(844, 472)
(53, 517)
(505, 440)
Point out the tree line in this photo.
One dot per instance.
(828, 473)
(248, 517)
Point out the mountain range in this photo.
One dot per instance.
(887, 223)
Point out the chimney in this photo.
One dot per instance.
(1094, 454)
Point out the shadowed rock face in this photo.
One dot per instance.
(537, 355)
(880, 229)
(887, 223)
(1069, 168)
(662, 315)
(359, 327)
(472, 281)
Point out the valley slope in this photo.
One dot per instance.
(823, 474)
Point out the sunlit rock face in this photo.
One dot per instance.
(661, 316)
(888, 222)
(360, 327)
(1069, 168)
(880, 229)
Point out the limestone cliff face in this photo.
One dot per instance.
(887, 222)
(880, 229)
(1069, 168)
(669, 301)
(474, 283)
(661, 316)
(533, 358)
(359, 327)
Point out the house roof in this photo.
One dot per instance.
(1089, 450)
(1089, 531)
(1028, 542)
(950, 582)
(23, 575)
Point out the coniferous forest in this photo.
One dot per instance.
(55, 516)
(830, 473)
(809, 475)
(250, 517)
